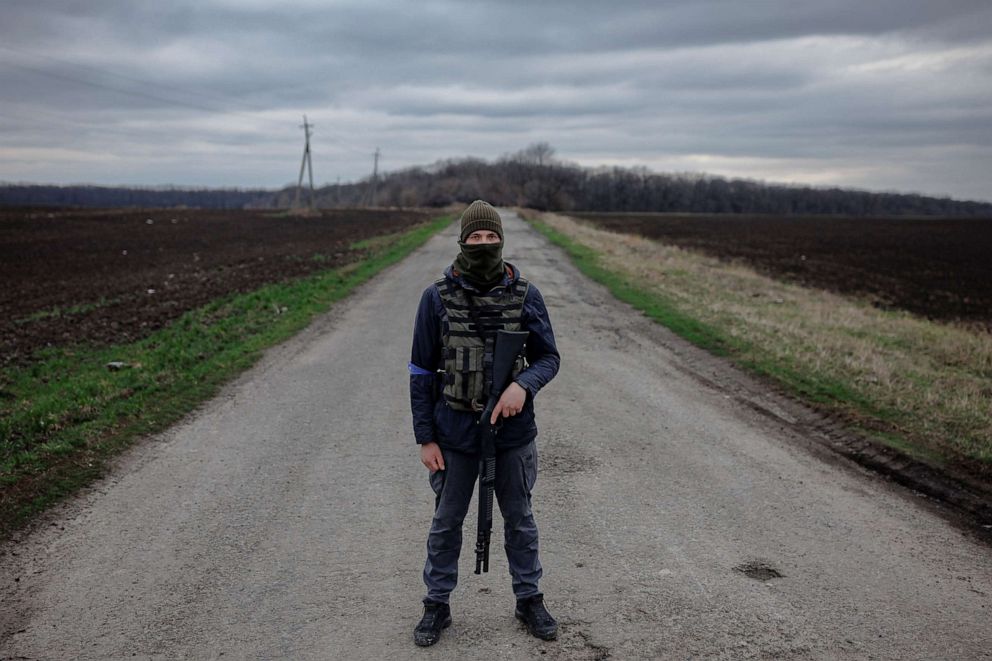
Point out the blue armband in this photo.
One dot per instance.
(418, 370)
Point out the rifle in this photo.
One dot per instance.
(507, 348)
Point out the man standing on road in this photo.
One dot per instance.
(449, 373)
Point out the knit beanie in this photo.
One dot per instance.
(481, 216)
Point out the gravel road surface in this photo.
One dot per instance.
(684, 513)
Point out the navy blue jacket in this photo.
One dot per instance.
(433, 419)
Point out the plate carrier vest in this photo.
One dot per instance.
(467, 358)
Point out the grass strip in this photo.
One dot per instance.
(65, 414)
(921, 387)
(660, 308)
(652, 304)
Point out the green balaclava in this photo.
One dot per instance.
(481, 263)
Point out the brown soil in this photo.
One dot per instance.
(935, 267)
(128, 272)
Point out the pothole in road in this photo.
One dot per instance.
(565, 464)
(758, 570)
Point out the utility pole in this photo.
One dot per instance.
(306, 163)
(375, 177)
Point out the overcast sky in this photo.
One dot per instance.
(874, 94)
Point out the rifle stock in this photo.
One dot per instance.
(507, 347)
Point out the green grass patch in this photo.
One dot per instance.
(65, 414)
(374, 243)
(60, 311)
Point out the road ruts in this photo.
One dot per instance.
(287, 518)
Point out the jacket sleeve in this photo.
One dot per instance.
(424, 360)
(542, 352)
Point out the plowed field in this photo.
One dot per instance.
(114, 276)
(935, 267)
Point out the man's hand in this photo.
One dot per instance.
(510, 403)
(430, 454)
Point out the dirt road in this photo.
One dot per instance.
(288, 518)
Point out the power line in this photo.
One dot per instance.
(136, 93)
(131, 90)
(131, 79)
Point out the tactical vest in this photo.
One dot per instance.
(466, 357)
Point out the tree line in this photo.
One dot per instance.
(29, 195)
(531, 177)
(534, 178)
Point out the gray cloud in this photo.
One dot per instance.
(890, 94)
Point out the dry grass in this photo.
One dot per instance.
(928, 384)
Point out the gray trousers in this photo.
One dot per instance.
(516, 472)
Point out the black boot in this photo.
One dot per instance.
(537, 618)
(437, 616)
